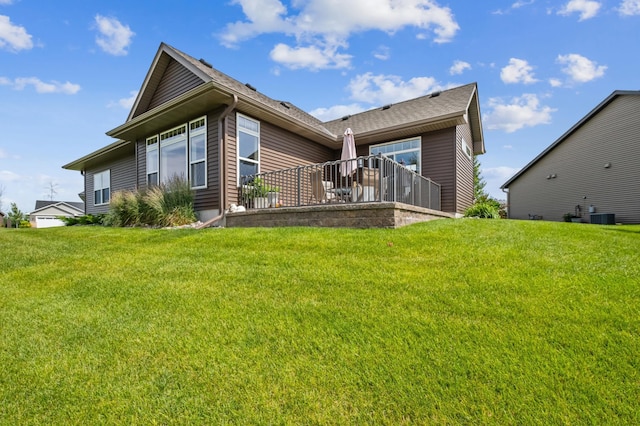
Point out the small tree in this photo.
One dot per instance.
(16, 215)
(478, 182)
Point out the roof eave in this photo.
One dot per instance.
(81, 163)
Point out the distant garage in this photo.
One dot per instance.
(47, 213)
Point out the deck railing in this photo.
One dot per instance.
(366, 179)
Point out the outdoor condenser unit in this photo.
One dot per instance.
(603, 219)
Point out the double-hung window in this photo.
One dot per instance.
(152, 161)
(248, 136)
(405, 152)
(101, 187)
(197, 153)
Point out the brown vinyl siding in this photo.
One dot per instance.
(464, 170)
(279, 149)
(123, 176)
(578, 163)
(439, 164)
(209, 198)
(175, 81)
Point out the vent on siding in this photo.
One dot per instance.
(205, 63)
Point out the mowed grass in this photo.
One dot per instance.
(447, 322)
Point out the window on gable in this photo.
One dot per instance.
(248, 137)
(405, 152)
(180, 152)
(102, 187)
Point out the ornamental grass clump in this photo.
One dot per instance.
(170, 204)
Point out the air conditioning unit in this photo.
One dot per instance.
(603, 219)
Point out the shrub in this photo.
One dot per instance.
(484, 210)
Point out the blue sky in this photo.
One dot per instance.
(70, 70)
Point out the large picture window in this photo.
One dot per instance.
(102, 188)
(248, 146)
(405, 152)
(179, 153)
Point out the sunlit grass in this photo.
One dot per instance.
(468, 321)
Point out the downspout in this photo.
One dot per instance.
(221, 161)
(506, 191)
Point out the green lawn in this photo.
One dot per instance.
(447, 322)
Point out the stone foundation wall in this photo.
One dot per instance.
(362, 215)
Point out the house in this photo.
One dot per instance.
(592, 171)
(47, 213)
(192, 120)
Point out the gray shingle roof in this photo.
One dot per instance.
(424, 108)
(44, 203)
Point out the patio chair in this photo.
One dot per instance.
(321, 190)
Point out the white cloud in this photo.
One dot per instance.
(459, 67)
(523, 111)
(586, 8)
(125, 103)
(13, 37)
(383, 89)
(3, 154)
(321, 26)
(555, 82)
(518, 71)
(336, 111)
(629, 8)
(40, 86)
(312, 57)
(6, 2)
(383, 53)
(580, 69)
(495, 177)
(114, 38)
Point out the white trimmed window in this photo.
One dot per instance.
(248, 137)
(101, 188)
(198, 153)
(465, 148)
(173, 154)
(406, 152)
(180, 152)
(152, 161)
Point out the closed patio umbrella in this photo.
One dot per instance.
(347, 167)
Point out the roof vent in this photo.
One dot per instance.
(205, 63)
(387, 106)
(434, 95)
(251, 87)
(284, 104)
(346, 117)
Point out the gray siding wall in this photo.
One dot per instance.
(175, 81)
(611, 136)
(279, 149)
(123, 176)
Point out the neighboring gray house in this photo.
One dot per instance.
(593, 168)
(193, 120)
(47, 213)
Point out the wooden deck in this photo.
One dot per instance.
(353, 215)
